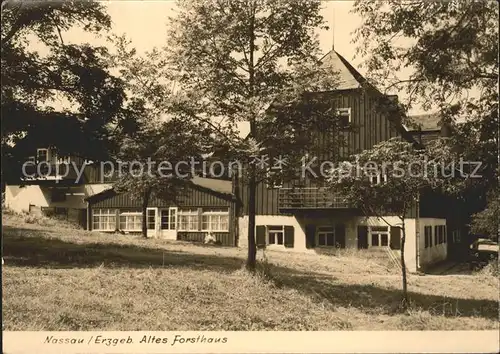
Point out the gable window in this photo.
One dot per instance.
(379, 236)
(189, 219)
(215, 220)
(274, 179)
(378, 179)
(131, 221)
(63, 159)
(42, 155)
(104, 219)
(344, 116)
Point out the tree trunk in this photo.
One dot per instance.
(252, 185)
(252, 249)
(145, 202)
(403, 269)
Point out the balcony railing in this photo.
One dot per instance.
(310, 198)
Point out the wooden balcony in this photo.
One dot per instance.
(310, 198)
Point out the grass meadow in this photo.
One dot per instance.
(57, 278)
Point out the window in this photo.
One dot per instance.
(326, 236)
(428, 236)
(104, 219)
(275, 235)
(188, 219)
(42, 155)
(168, 218)
(63, 159)
(331, 236)
(440, 234)
(379, 236)
(215, 220)
(131, 221)
(344, 116)
(455, 235)
(57, 195)
(151, 219)
(378, 179)
(61, 211)
(274, 179)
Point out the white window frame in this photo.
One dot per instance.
(325, 230)
(189, 214)
(172, 218)
(148, 210)
(47, 159)
(215, 214)
(372, 232)
(269, 174)
(345, 111)
(63, 160)
(275, 230)
(103, 212)
(130, 214)
(377, 179)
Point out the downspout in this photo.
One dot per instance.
(417, 233)
(89, 213)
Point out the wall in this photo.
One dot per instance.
(19, 198)
(351, 224)
(436, 253)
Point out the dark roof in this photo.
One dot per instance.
(217, 185)
(211, 185)
(425, 122)
(349, 77)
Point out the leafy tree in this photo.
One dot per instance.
(403, 172)
(450, 50)
(486, 222)
(450, 47)
(34, 82)
(155, 161)
(236, 59)
(156, 145)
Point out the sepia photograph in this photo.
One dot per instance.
(255, 176)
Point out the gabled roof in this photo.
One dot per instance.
(349, 77)
(217, 185)
(221, 188)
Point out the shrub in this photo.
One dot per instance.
(490, 270)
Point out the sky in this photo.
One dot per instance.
(144, 22)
